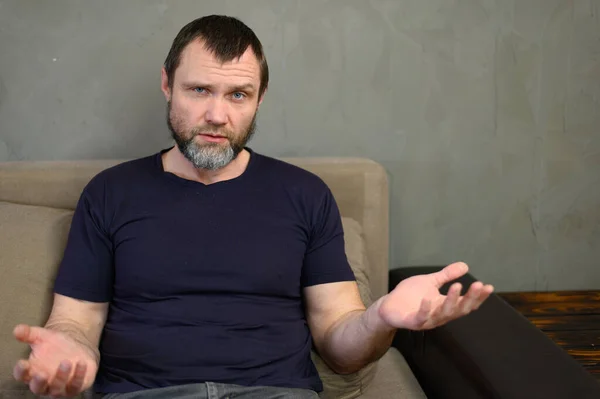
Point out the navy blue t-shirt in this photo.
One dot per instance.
(204, 281)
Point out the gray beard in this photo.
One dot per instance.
(210, 156)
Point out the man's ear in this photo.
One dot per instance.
(262, 97)
(164, 84)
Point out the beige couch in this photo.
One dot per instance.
(36, 205)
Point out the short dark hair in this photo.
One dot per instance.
(226, 37)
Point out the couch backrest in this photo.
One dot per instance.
(359, 185)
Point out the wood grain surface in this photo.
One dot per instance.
(570, 318)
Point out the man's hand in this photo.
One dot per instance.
(416, 303)
(58, 365)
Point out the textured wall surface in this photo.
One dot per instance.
(485, 112)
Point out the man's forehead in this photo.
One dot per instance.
(197, 55)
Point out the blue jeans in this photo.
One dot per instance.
(211, 390)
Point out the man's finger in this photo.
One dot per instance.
(76, 384)
(57, 385)
(449, 306)
(450, 273)
(27, 334)
(424, 311)
(486, 291)
(39, 384)
(471, 298)
(21, 371)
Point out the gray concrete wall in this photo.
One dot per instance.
(485, 112)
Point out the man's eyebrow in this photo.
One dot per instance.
(242, 87)
(192, 83)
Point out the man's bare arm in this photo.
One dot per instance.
(82, 321)
(346, 335)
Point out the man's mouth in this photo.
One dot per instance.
(213, 138)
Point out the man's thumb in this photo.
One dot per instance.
(450, 273)
(27, 334)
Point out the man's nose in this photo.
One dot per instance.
(216, 113)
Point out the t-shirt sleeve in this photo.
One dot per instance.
(325, 260)
(86, 270)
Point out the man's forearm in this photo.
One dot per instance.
(356, 340)
(77, 333)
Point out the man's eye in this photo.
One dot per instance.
(238, 96)
(199, 90)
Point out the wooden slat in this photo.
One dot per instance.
(592, 368)
(588, 357)
(583, 339)
(517, 298)
(558, 308)
(592, 365)
(566, 322)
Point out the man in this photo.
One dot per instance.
(210, 270)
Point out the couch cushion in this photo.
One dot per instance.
(352, 385)
(357, 257)
(32, 239)
(394, 379)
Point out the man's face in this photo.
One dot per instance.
(212, 106)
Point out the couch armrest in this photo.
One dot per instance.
(494, 352)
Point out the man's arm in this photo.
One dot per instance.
(82, 321)
(346, 335)
(64, 355)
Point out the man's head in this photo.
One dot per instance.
(214, 79)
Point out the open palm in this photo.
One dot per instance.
(57, 364)
(417, 304)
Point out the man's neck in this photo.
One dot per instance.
(175, 162)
